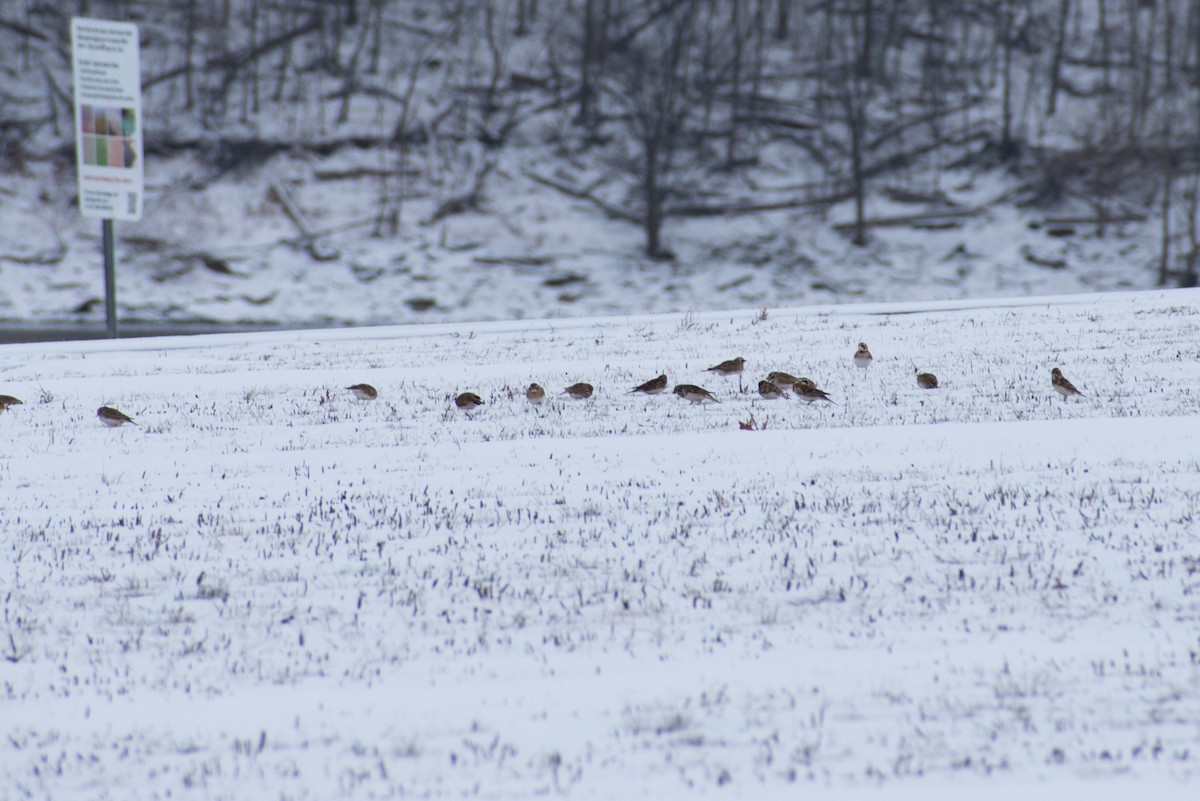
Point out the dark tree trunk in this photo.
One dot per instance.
(1060, 43)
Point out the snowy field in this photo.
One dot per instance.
(270, 589)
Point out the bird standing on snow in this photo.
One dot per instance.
(862, 356)
(9, 400)
(769, 390)
(783, 380)
(729, 367)
(1062, 386)
(580, 391)
(364, 391)
(808, 392)
(112, 417)
(655, 386)
(468, 401)
(695, 394)
(535, 394)
(926, 380)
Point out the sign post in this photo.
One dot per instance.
(108, 133)
(110, 278)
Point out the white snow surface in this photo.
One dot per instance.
(270, 589)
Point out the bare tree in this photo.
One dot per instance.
(1056, 61)
(654, 88)
(853, 84)
(393, 178)
(594, 41)
(783, 16)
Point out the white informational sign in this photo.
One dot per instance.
(108, 118)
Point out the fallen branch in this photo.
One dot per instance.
(351, 173)
(612, 211)
(732, 209)
(40, 257)
(309, 239)
(1042, 261)
(521, 261)
(909, 219)
(321, 233)
(686, 210)
(1100, 219)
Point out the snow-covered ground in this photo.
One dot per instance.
(271, 589)
(529, 252)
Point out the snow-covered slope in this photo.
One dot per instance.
(270, 589)
(529, 253)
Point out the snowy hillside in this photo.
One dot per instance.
(400, 161)
(268, 588)
(224, 255)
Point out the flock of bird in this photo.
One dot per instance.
(776, 385)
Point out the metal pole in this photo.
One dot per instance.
(110, 279)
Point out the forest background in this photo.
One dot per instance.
(388, 160)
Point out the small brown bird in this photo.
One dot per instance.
(1062, 386)
(364, 391)
(769, 390)
(695, 394)
(926, 380)
(862, 356)
(535, 394)
(783, 380)
(808, 392)
(468, 401)
(729, 367)
(655, 386)
(580, 391)
(112, 417)
(9, 400)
